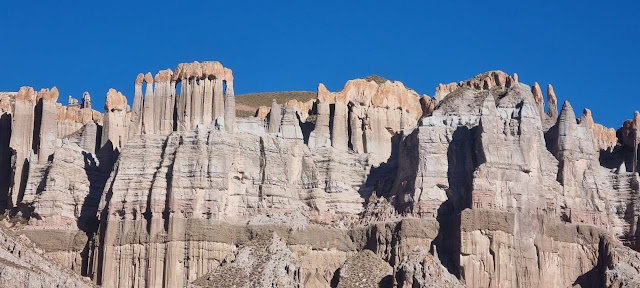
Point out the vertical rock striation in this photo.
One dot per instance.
(275, 117)
(115, 130)
(49, 124)
(229, 102)
(21, 140)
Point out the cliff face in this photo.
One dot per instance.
(373, 185)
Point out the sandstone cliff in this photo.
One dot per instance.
(371, 186)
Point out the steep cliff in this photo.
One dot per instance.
(371, 186)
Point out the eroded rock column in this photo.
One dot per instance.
(86, 100)
(210, 71)
(566, 128)
(135, 127)
(290, 127)
(114, 130)
(552, 102)
(148, 117)
(196, 93)
(21, 140)
(48, 124)
(207, 101)
(165, 93)
(356, 123)
(218, 99)
(321, 136)
(229, 102)
(89, 137)
(274, 117)
(537, 95)
(340, 135)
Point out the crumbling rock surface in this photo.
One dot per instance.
(365, 269)
(23, 265)
(260, 263)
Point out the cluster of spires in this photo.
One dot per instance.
(206, 95)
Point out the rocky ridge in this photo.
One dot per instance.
(374, 185)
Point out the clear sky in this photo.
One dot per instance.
(587, 49)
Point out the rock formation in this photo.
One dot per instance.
(48, 125)
(552, 102)
(365, 269)
(229, 102)
(485, 81)
(321, 135)
(86, 100)
(21, 140)
(370, 186)
(275, 117)
(115, 129)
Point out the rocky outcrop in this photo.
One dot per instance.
(552, 102)
(321, 135)
(23, 265)
(422, 269)
(260, 263)
(115, 129)
(376, 186)
(365, 269)
(485, 81)
(366, 114)
(275, 117)
(290, 125)
(229, 102)
(48, 125)
(206, 92)
(21, 142)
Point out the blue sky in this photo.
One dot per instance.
(587, 50)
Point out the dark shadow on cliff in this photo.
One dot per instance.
(306, 127)
(595, 277)
(386, 282)
(462, 160)
(88, 222)
(381, 179)
(5, 160)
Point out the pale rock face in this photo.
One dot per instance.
(537, 93)
(21, 139)
(321, 136)
(420, 268)
(275, 117)
(560, 254)
(115, 130)
(485, 191)
(552, 102)
(290, 125)
(324, 95)
(302, 108)
(367, 113)
(25, 266)
(48, 125)
(484, 81)
(115, 101)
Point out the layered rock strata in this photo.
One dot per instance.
(374, 185)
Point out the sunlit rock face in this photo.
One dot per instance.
(483, 185)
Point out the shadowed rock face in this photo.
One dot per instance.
(371, 186)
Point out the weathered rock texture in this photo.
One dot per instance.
(371, 186)
(23, 265)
